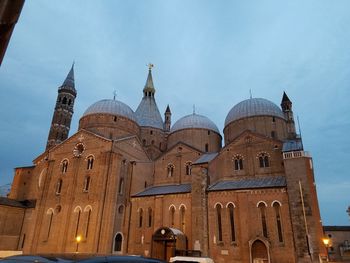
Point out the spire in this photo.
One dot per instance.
(149, 89)
(285, 97)
(167, 109)
(69, 81)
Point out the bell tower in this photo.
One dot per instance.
(286, 105)
(63, 113)
(167, 122)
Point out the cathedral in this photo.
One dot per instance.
(131, 182)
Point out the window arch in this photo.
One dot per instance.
(170, 169)
(121, 209)
(182, 218)
(218, 208)
(150, 217)
(140, 217)
(262, 209)
(264, 159)
(64, 166)
(59, 186)
(118, 241)
(188, 167)
(90, 162)
(86, 183)
(172, 215)
(231, 215)
(121, 186)
(276, 205)
(238, 162)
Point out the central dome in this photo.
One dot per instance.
(194, 121)
(253, 107)
(113, 107)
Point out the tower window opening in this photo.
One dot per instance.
(273, 134)
(115, 118)
(118, 243)
(206, 147)
(64, 101)
(273, 119)
(208, 132)
(69, 102)
(151, 132)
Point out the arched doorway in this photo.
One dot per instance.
(118, 243)
(166, 242)
(259, 252)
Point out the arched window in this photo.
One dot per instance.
(121, 186)
(118, 240)
(182, 218)
(218, 208)
(121, 209)
(263, 160)
(150, 215)
(170, 169)
(140, 217)
(87, 215)
(172, 215)
(277, 209)
(49, 215)
(188, 168)
(59, 187)
(86, 184)
(64, 101)
(77, 212)
(262, 209)
(64, 166)
(90, 162)
(232, 221)
(238, 162)
(69, 102)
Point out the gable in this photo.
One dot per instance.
(131, 146)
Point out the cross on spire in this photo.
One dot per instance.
(114, 94)
(150, 66)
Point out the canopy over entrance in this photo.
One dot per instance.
(166, 241)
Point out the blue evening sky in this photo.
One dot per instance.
(207, 53)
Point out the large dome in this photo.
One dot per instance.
(194, 121)
(113, 107)
(253, 107)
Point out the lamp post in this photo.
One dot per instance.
(77, 239)
(326, 243)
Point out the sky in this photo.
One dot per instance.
(210, 54)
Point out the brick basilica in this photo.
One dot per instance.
(129, 182)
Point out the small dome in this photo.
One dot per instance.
(113, 107)
(253, 107)
(194, 121)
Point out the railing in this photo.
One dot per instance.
(296, 154)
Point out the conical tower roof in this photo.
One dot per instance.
(68, 83)
(285, 97)
(147, 113)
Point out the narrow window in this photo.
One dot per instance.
(206, 147)
(182, 219)
(273, 134)
(64, 101)
(188, 168)
(232, 222)
(59, 186)
(90, 162)
(64, 166)
(208, 132)
(140, 217)
(118, 243)
(172, 216)
(262, 209)
(87, 216)
(238, 159)
(273, 119)
(86, 184)
(77, 225)
(50, 217)
(151, 132)
(276, 207)
(150, 214)
(152, 142)
(69, 102)
(121, 186)
(219, 223)
(144, 142)
(170, 170)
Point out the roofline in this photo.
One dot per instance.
(336, 228)
(246, 117)
(244, 188)
(196, 128)
(180, 142)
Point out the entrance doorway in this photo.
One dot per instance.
(259, 252)
(166, 242)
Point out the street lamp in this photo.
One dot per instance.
(326, 243)
(77, 239)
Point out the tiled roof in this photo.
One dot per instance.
(249, 183)
(205, 158)
(11, 202)
(147, 113)
(165, 189)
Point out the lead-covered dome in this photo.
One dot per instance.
(194, 121)
(113, 107)
(253, 107)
